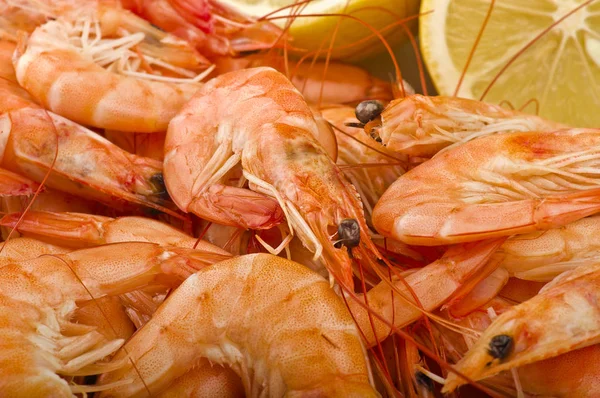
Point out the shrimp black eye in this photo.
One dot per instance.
(368, 110)
(158, 181)
(500, 346)
(349, 233)
(424, 380)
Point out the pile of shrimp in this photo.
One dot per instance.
(188, 211)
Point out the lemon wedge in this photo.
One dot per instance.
(559, 73)
(314, 33)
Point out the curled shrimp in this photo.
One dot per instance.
(43, 342)
(498, 185)
(257, 117)
(61, 65)
(563, 317)
(278, 325)
(420, 125)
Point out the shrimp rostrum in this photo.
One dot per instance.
(257, 118)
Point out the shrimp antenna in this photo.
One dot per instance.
(364, 144)
(533, 101)
(368, 26)
(420, 346)
(474, 47)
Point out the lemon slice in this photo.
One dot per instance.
(314, 33)
(561, 70)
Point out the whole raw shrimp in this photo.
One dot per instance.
(43, 342)
(420, 125)
(278, 325)
(61, 65)
(563, 317)
(257, 117)
(498, 185)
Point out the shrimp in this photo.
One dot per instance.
(280, 157)
(541, 256)
(209, 25)
(319, 82)
(81, 230)
(47, 290)
(450, 277)
(420, 125)
(60, 64)
(579, 374)
(356, 148)
(84, 164)
(278, 325)
(563, 317)
(499, 185)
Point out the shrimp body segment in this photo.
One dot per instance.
(257, 117)
(420, 125)
(72, 85)
(498, 185)
(278, 325)
(563, 317)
